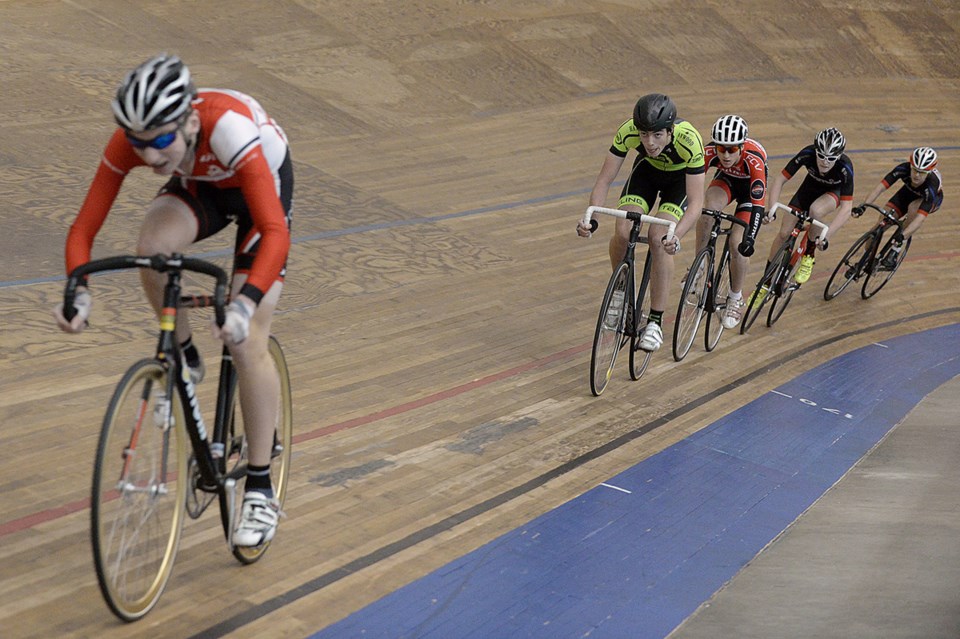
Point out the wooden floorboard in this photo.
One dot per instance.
(439, 309)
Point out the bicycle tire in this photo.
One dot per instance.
(692, 300)
(876, 278)
(752, 311)
(721, 288)
(850, 267)
(235, 451)
(783, 289)
(138, 496)
(609, 334)
(640, 359)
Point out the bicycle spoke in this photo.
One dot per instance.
(851, 266)
(137, 502)
(608, 336)
(692, 301)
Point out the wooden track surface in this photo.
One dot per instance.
(439, 309)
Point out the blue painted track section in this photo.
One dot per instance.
(638, 554)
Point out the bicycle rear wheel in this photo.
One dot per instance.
(877, 275)
(721, 288)
(138, 497)
(692, 300)
(851, 266)
(236, 453)
(639, 359)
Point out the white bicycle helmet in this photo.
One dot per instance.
(924, 159)
(830, 143)
(730, 130)
(157, 92)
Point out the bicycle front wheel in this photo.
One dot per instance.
(692, 300)
(761, 295)
(640, 359)
(721, 288)
(609, 335)
(851, 266)
(878, 275)
(783, 288)
(138, 499)
(237, 454)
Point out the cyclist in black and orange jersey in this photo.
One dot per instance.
(741, 177)
(669, 164)
(227, 161)
(828, 187)
(920, 195)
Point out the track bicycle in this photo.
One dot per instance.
(705, 289)
(866, 259)
(777, 284)
(154, 461)
(622, 317)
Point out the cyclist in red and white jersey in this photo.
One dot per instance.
(741, 177)
(227, 161)
(920, 195)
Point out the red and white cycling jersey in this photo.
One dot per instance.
(239, 146)
(752, 166)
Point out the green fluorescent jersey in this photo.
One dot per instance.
(684, 153)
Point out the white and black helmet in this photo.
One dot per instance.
(730, 130)
(924, 159)
(157, 92)
(830, 143)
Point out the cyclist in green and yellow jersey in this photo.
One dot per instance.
(669, 164)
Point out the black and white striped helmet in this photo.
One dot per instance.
(924, 159)
(730, 130)
(830, 143)
(157, 92)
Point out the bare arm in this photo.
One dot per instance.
(598, 196)
(779, 180)
(608, 173)
(875, 193)
(695, 186)
(843, 214)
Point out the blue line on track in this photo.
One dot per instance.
(429, 219)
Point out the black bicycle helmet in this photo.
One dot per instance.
(654, 112)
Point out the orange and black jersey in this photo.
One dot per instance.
(239, 147)
(838, 179)
(930, 190)
(752, 167)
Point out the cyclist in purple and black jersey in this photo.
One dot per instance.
(920, 195)
(828, 187)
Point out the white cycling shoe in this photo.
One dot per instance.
(652, 338)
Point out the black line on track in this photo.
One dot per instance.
(276, 603)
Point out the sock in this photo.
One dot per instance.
(258, 479)
(811, 248)
(735, 296)
(190, 352)
(656, 316)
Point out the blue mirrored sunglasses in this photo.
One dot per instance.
(162, 141)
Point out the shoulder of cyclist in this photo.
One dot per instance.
(689, 144)
(627, 137)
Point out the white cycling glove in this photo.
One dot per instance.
(236, 326)
(82, 303)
